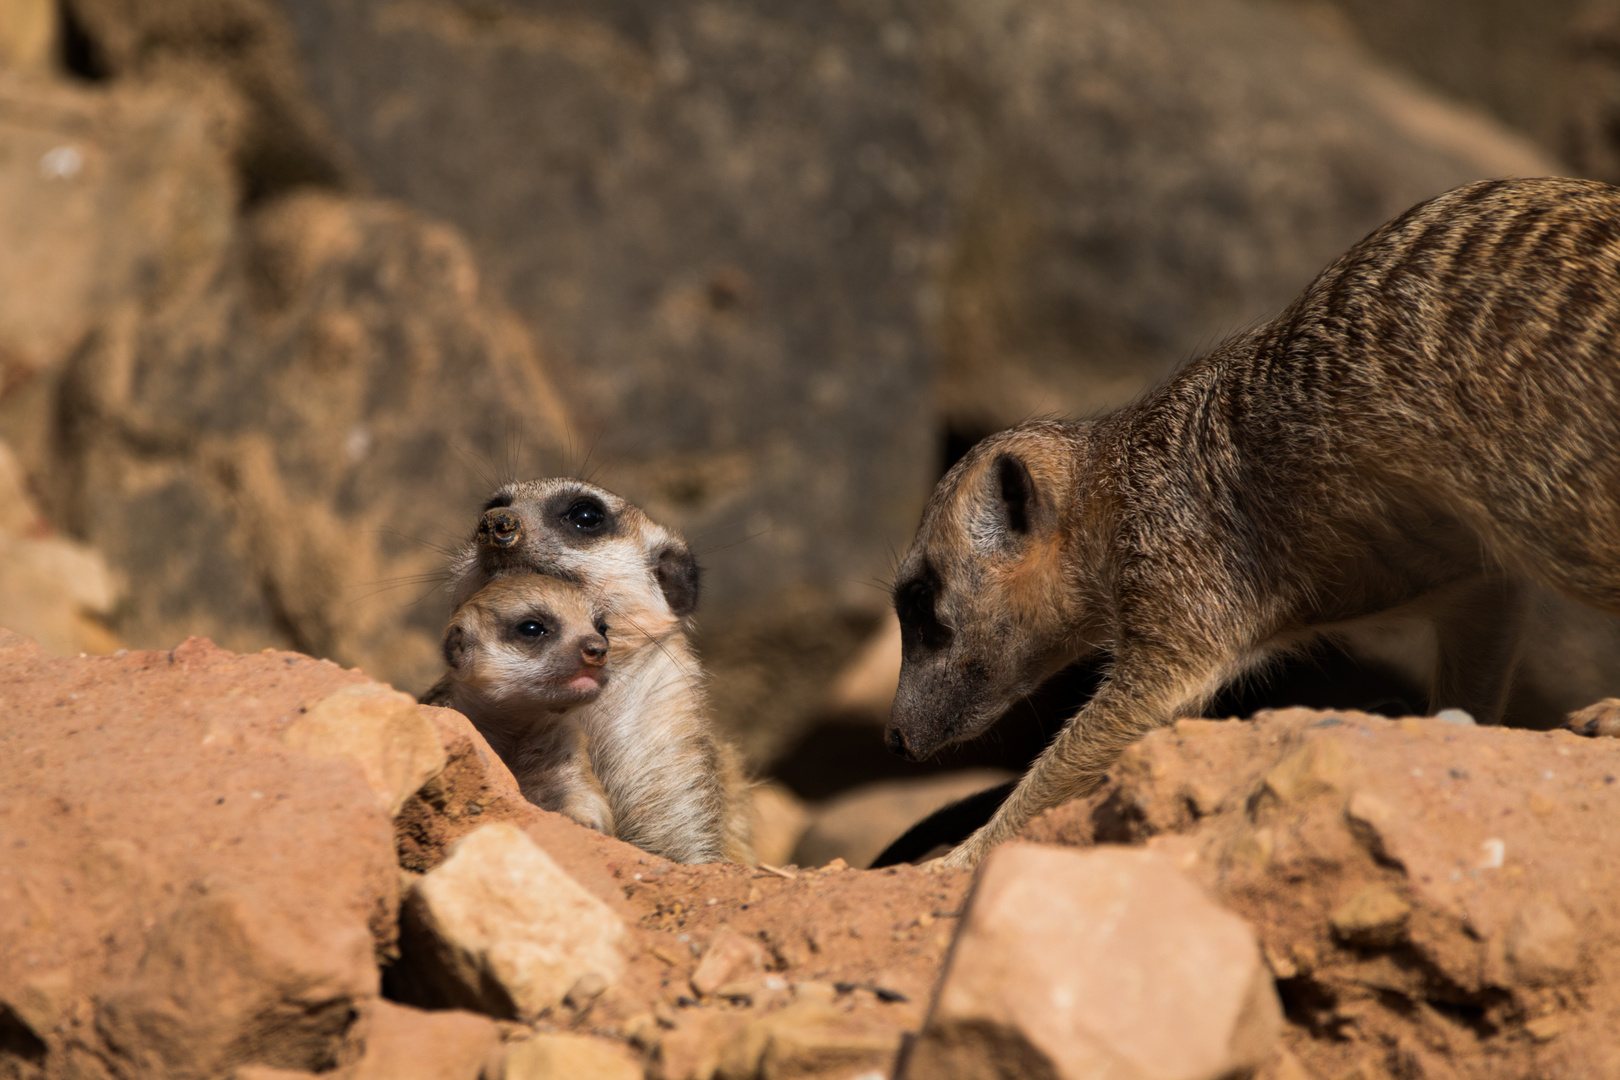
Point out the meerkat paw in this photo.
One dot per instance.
(591, 813)
(1602, 719)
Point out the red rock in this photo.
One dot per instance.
(729, 958)
(408, 1044)
(180, 894)
(1465, 872)
(1104, 963)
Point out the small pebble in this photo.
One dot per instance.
(1456, 716)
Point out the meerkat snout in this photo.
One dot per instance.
(499, 528)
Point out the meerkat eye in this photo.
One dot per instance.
(586, 515)
(531, 628)
(602, 628)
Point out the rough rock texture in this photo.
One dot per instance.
(52, 589)
(78, 166)
(381, 730)
(181, 894)
(271, 460)
(498, 927)
(1505, 56)
(1107, 963)
(721, 220)
(284, 142)
(126, 874)
(567, 1057)
(1148, 177)
(1436, 900)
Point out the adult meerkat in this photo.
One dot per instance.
(674, 788)
(524, 653)
(1435, 420)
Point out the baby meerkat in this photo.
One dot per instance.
(524, 653)
(674, 788)
(1434, 422)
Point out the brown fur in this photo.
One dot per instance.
(520, 691)
(1432, 424)
(674, 787)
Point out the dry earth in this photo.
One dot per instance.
(207, 856)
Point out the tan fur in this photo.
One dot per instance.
(1432, 424)
(673, 786)
(517, 693)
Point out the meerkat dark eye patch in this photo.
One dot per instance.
(1017, 492)
(586, 515)
(531, 628)
(914, 603)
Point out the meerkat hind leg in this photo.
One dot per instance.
(1477, 632)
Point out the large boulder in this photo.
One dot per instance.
(721, 216)
(283, 457)
(1434, 898)
(1149, 177)
(181, 894)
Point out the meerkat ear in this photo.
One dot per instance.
(678, 576)
(454, 645)
(1018, 496)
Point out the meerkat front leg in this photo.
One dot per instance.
(1477, 631)
(555, 773)
(1121, 712)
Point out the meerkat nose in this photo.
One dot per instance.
(593, 650)
(499, 528)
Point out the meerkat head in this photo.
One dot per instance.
(528, 641)
(578, 532)
(984, 599)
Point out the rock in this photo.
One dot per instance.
(56, 591)
(315, 408)
(565, 1057)
(284, 141)
(867, 685)
(1139, 179)
(1543, 945)
(409, 1044)
(722, 221)
(499, 928)
(227, 975)
(729, 958)
(1413, 860)
(1374, 917)
(808, 1039)
(1506, 58)
(1107, 962)
(180, 895)
(382, 731)
(857, 825)
(28, 35)
(780, 818)
(108, 202)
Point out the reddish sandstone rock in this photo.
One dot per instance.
(1436, 900)
(1108, 963)
(181, 894)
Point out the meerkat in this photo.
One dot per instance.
(1434, 422)
(673, 786)
(523, 654)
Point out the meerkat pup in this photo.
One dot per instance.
(524, 653)
(1434, 421)
(673, 787)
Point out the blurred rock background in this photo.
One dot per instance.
(287, 285)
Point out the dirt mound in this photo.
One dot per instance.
(1435, 899)
(184, 893)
